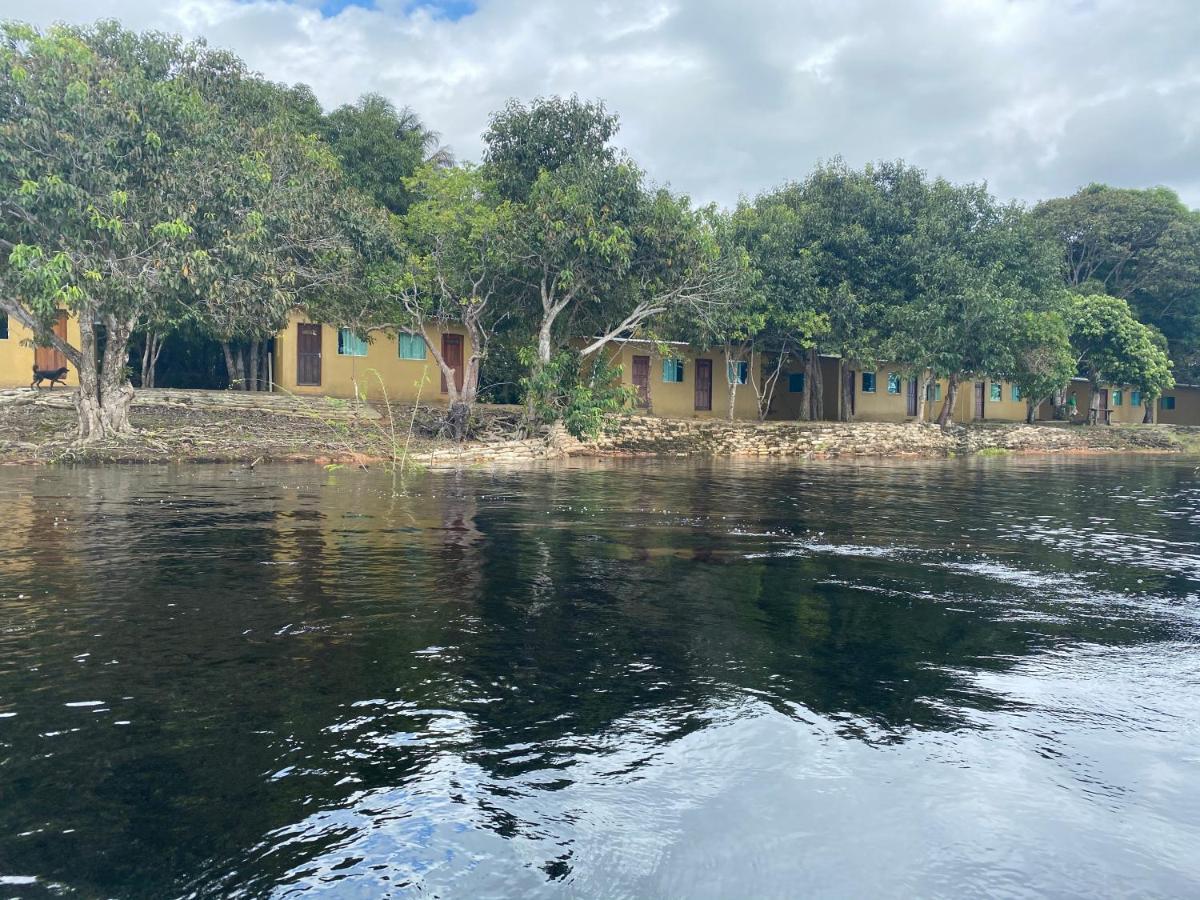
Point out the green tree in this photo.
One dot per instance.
(380, 147)
(1042, 362)
(978, 269)
(1111, 346)
(524, 140)
(454, 261)
(95, 190)
(1142, 246)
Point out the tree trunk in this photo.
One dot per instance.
(1093, 416)
(544, 344)
(230, 368)
(946, 416)
(252, 367)
(1031, 411)
(816, 409)
(150, 354)
(239, 360)
(105, 394)
(731, 381)
(1060, 405)
(1148, 415)
(845, 374)
(923, 384)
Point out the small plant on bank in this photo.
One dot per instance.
(582, 394)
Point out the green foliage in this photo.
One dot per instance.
(1042, 360)
(1110, 345)
(1142, 246)
(580, 393)
(380, 147)
(524, 141)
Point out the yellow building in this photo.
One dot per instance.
(312, 358)
(1125, 405)
(17, 358)
(683, 383)
(887, 393)
(1180, 405)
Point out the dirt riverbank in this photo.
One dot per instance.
(229, 427)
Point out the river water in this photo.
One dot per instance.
(939, 679)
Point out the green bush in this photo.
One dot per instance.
(580, 393)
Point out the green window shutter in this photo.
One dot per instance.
(411, 347)
(1117, 399)
(350, 344)
(795, 382)
(937, 392)
(996, 392)
(1015, 393)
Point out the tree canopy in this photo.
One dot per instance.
(150, 184)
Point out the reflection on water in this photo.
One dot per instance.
(630, 680)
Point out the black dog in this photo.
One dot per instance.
(51, 375)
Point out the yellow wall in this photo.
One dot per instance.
(1006, 409)
(1124, 414)
(16, 360)
(677, 400)
(1187, 406)
(351, 376)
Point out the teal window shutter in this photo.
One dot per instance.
(893, 382)
(736, 372)
(1117, 399)
(350, 344)
(1015, 394)
(1135, 398)
(1168, 402)
(868, 382)
(672, 371)
(996, 392)
(795, 382)
(411, 347)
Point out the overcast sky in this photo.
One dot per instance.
(721, 99)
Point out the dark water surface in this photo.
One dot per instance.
(646, 680)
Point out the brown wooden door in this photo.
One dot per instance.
(980, 390)
(308, 354)
(703, 384)
(911, 390)
(641, 380)
(48, 359)
(452, 353)
(1104, 410)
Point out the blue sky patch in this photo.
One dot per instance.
(452, 10)
(331, 8)
(444, 9)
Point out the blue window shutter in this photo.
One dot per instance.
(796, 382)
(411, 347)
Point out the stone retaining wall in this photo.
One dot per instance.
(235, 401)
(651, 436)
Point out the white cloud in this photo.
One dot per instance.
(1037, 97)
